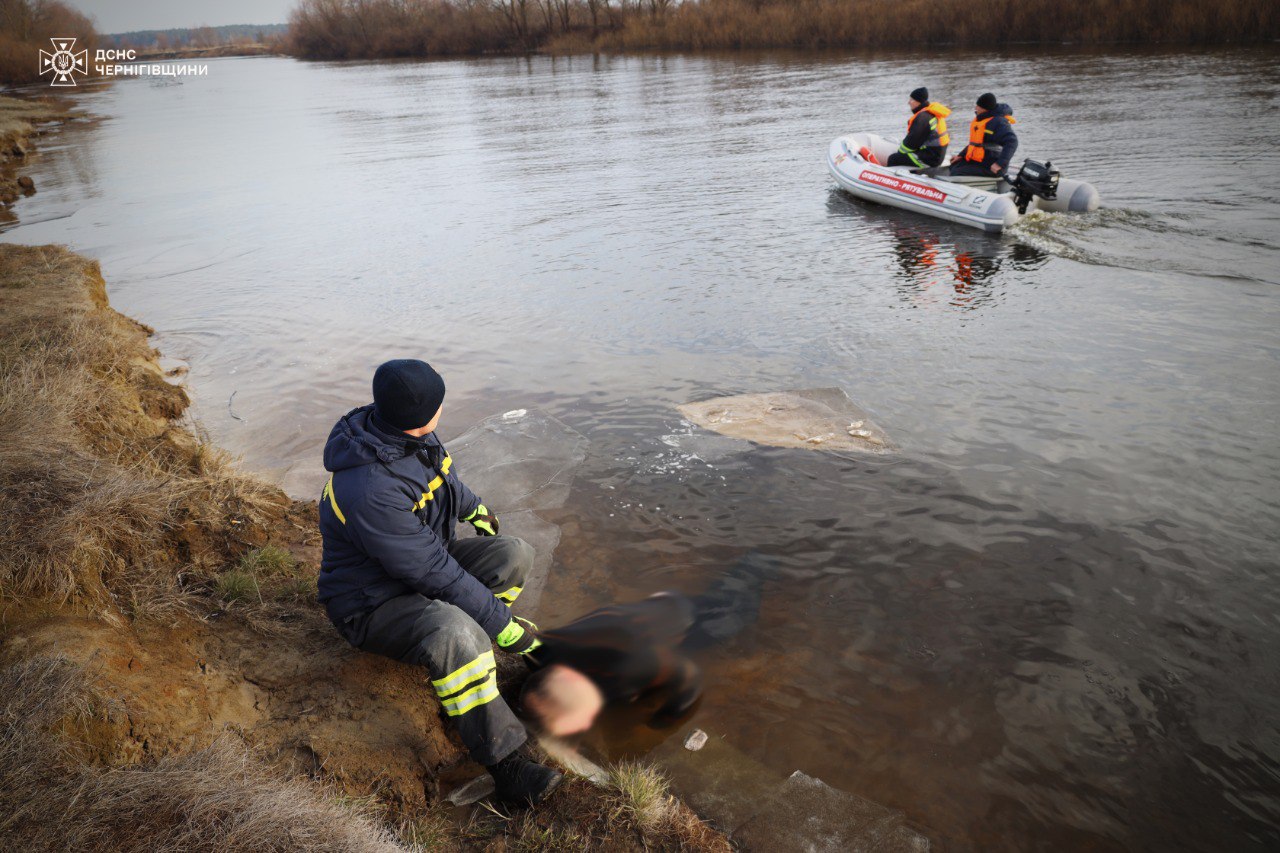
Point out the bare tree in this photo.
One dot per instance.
(516, 14)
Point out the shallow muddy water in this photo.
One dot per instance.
(1050, 621)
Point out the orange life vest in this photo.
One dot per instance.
(938, 135)
(978, 146)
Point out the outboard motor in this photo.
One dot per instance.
(1034, 179)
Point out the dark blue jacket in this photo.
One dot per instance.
(387, 515)
(1000, 133)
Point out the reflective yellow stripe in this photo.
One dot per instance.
(476, 696)
(464, 674)
(429, 494)
(333, 502)
(510, 595)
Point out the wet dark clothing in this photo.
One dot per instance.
(636, 650)
(631, 650)
(387, 517)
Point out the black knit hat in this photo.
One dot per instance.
(920, 95)
(987, 101)
(407, 393)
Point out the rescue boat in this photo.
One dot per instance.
(991, 204)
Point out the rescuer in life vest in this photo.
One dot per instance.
(926, 142)
(992, 142)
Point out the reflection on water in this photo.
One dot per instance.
(941, 265)
(1048, 623)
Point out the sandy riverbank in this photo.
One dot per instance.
(167, 678)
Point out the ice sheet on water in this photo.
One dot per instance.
(544, 537)
(816, 419)
(522, 459)
(518, 462)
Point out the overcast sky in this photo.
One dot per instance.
(119, 16)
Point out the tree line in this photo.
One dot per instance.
(25, 29)
(352, 29)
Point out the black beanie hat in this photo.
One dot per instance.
(921, 95)
(407, 393)
(987, 101)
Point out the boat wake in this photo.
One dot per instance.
(1128, 238)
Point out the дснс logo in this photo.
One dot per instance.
(63, 63)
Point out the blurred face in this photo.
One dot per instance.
(567, 703)
(914, 104)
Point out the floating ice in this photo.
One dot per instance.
(820, 418)
(518, 462)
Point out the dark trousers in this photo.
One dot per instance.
(455, 650)
(971, 168)
(919, 159)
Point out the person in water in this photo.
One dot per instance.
(395, 581)
(925, 144)
(640, 651)
(992, 142)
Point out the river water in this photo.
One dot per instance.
(1050, 622)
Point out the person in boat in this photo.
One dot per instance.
(992, 142)
(638, 652)
(396, 582)
(925, 144)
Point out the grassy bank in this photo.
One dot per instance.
(348, 29)
(167, 678)
(18, 121)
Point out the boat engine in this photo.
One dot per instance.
(1034, 179)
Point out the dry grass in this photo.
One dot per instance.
(734, 24)
(351, 29)
(106, 501)
(632, 811)
(644, 796)
(17, 116)
(217, 798)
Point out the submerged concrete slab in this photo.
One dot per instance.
(807, 814)
(761, 810)
(720, 783)
(816, 419)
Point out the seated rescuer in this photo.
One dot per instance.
(395, 581)
(992, 142)
(927, 139)
(626, 652)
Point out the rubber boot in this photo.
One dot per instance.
(868, 155)
(522, 782)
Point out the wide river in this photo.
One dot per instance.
(1051, 622)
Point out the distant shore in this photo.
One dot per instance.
(371, 29)
(156, 54)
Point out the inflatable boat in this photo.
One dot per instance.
(991, 204)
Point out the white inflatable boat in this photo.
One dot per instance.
(991, 204)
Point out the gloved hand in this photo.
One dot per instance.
(519, 637)
(485, 522)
